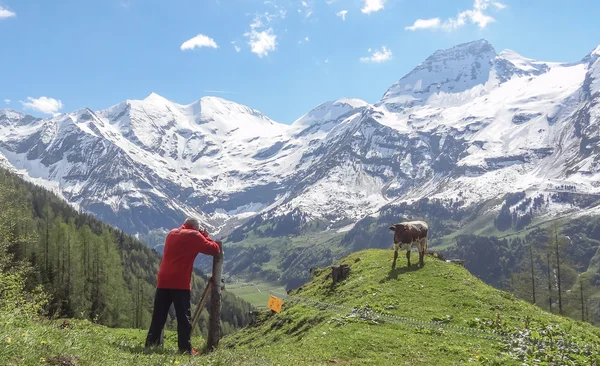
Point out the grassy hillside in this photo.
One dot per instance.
(256, 293)
(306, 332)
(89, 269)
(492, 237)
(356, 323)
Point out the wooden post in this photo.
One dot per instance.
(340, 272)
(582, 302)
(214, 319)
(200, 307)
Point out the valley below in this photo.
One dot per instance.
(496, 151)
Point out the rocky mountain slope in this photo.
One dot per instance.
(468, 125)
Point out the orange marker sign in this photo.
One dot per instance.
(275, 304)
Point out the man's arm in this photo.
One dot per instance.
(205, 245)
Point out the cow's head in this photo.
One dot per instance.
(398, 229)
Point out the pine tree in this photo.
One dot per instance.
(532, 269)
(556, 246)
(89, 269)
(549, 277)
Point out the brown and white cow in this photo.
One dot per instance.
(410, 234)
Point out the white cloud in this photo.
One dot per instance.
(326, 61)
(7, 101)
(268, 17)
(484, 4)
(475, 15)
(342, 14)
(5, 13)
(237, 48)
(425, 24)
(372, 6)
(262, 41)
(304, 40)
(198, 42)
(306, 8)
(44, 104)
(378, 56)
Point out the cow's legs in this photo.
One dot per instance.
(395, 257)
(408, 256)
(423, 249)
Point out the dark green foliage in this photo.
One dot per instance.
(298, 271)
(489, 258)
(89, 269)
(504, 220)
(514, 198)
(293, 223)
(506, 263)
(521, 215)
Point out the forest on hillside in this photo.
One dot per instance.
(557, 267)
(89, 270)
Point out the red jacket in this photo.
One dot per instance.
(181, 248)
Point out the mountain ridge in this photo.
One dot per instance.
(494, 117)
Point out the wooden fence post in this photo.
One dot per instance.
(214, 319)
(340, 272)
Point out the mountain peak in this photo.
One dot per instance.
(452, 70)
(10, 116)
(594, 55)
(11, 113)
(477, 47)
(211, 106)
(329, 112)
(154, 97)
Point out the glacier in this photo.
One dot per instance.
(468, 123)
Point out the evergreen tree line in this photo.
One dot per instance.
(547, 276)
(89, 269)
(558, 270)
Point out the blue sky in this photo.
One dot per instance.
(281, 57)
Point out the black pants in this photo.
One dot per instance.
(162, 303)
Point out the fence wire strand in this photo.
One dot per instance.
(405, 321)
(487, 334)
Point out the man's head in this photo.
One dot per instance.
(192, 223)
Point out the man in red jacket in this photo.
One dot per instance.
(182, 245)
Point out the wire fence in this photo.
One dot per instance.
(437, 326)
(375, 316)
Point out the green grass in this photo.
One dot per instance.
(257, 295)
(302, 334)
(84, 343)
(307, 335)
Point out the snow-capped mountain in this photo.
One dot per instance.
(467, 122)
